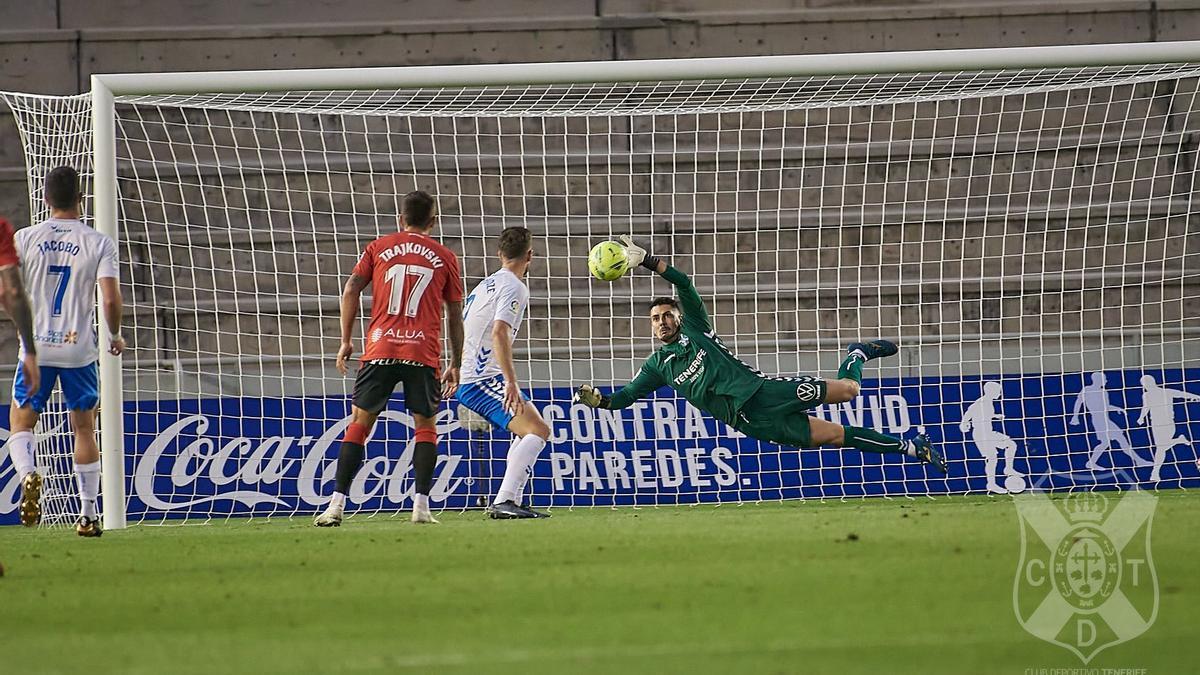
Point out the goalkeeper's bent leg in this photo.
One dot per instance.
(851, 368)
(869, 440)
(848, 384)
(850, 371)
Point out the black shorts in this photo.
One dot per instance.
(377, 380)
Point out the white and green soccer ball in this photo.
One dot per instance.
(608, 261)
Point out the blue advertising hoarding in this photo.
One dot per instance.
(204, 457)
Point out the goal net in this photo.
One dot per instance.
(1029, 236)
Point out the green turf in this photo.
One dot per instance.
(775, 588)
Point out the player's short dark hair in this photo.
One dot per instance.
(664, 300)
(63, 190)
(417, 209)
(515, 242)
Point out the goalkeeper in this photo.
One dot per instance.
(694, 362)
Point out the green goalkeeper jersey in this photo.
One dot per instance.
(697, 365)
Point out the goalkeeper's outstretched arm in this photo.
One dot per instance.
(694, 312)
(647, 380)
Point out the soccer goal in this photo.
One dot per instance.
(1024, 222)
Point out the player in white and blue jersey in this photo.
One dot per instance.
(62, 260)
(492, 316)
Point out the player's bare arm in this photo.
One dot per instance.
(349, 306)
(16, 303)
(454, 330)
(114, 307)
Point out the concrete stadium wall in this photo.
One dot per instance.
(53, 46)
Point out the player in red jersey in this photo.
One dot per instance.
(16, 302)
(412, 277)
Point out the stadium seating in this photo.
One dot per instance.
(888, 197)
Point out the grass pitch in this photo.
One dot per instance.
(874, 586)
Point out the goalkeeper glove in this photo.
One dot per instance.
(638, 255)
(590, 396)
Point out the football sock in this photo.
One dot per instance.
(350, 459)
(424, 460)
(521, 455)
(88, 477)
(20, 449)
(851, 367)
(338, 502)
(870, 440)
(519, 498)
(528, 473)
(420, 502)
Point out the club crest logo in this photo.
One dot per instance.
(1086, 579)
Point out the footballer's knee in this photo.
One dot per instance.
(542, 429)
(364, 418)
(538, 426)
(826, 433)
(21, 418)
(840, 391)
(528, 423)
(83, 422)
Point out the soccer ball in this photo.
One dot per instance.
(1014, 483)
(607, 261)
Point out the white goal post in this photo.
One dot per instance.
(1024, 221)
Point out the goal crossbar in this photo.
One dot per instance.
(476, 75)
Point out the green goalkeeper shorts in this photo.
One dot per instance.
(778, 413)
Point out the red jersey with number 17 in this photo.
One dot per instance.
(411, 275)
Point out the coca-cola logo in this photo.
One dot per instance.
(186, 456)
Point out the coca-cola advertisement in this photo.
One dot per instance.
(216, 457)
